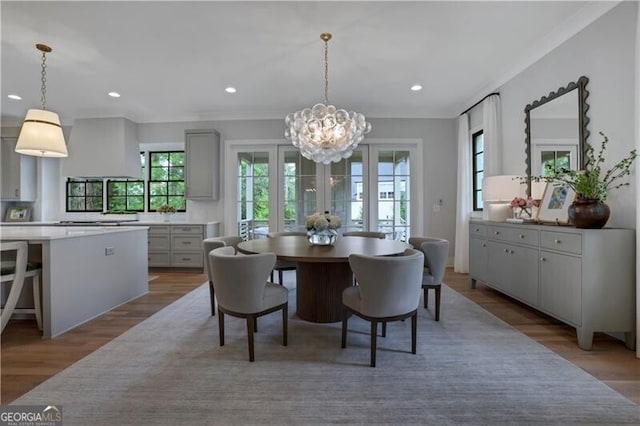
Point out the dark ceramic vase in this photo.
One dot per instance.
(588, 213)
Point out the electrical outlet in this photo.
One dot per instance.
(108, 251)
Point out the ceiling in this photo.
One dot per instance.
(171, 61)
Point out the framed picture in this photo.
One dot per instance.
(18, 214)
(555, 203)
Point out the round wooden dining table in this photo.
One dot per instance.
(322, 272)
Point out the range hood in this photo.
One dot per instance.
(103, 148)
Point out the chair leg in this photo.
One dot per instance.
(285, 322)
(36, 300)
(414, 332)
(221, 326)
(250, 323)
(438, 289)
(213, 298)
(345, 318)
(374, 343)
(281, 282)
(384, 329)
(426, 297)
(255, 324)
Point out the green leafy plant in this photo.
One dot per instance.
(592, 182)
(166, 208)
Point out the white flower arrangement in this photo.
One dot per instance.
(322, 221)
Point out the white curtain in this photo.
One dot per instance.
(637, 185)
(463, 212)
(492, 136)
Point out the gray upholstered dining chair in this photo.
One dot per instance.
(242, 290)
(209, 244)
(368, 234)
(388, 290)
(436, 251)
(283, 265)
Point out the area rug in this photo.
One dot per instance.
(471, 368)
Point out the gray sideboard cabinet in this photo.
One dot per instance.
(583, 277)
(202, 164)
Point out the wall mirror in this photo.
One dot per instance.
(556, 130)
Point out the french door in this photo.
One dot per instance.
(274, 188)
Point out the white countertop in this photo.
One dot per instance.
(59, 232)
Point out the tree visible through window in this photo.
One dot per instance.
(84, 195)
(166, 180)
(477, 145)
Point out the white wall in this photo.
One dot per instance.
(439, 159)
(605, 53)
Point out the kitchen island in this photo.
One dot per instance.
(86, 271)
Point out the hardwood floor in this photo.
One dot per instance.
(27, 360)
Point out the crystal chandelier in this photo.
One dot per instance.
(324, 133)
(41, 133)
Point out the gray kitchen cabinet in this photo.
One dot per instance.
(19, 173)
(176, 245)
(159, 245)
(583, 277)
(202, 164)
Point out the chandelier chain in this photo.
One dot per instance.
(43, 90)
(326, 72)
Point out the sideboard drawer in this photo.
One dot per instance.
(523, 236)
(479, 230)
(517, 235)
(187, 259)
(562, 241)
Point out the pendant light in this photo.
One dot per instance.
(41, 133)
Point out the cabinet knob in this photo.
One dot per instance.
(521, 236)
(477, 230)
(506, 251)
(484, 245)
(544, 259)
(558, 241)
(497, 232)
(511, 252)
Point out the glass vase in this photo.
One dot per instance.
(322, 238)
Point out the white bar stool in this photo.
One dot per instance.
(15, 271)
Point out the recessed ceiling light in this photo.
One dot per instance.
(416, 87)
(230, 89)
(14, 97)
(114, 94)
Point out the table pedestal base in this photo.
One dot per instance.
(319, 290)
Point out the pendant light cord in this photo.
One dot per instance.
(43, 90)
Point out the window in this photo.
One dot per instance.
(166, 180)
(125, 195)
(477, 146)
(84, 195)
